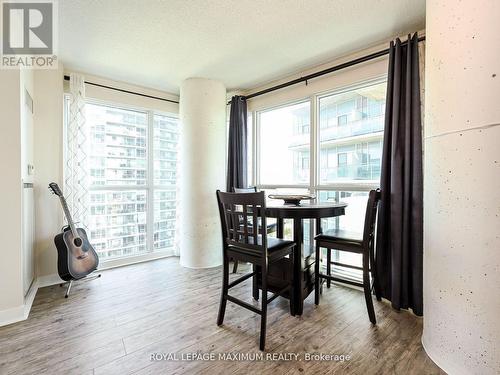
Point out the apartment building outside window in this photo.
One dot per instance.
(132, 161)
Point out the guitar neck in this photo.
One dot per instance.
(68, 217)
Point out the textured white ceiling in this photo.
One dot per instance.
(243, 43)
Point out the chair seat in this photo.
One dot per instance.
(276, 247)
(341, 237)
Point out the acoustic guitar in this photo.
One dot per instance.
(76, 257)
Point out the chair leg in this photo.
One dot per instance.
(328, 266)
(317, 281)
(225, 283)
(235, 266)
(263, 316)
(367, 288)
(255, 287)
(373, 268)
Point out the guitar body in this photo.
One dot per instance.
(75, 262)
(76, 257)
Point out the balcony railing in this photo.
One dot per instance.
(354, 128)
(352, 172)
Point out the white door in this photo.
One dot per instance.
(27, 186)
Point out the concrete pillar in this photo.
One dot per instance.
(462, 186)
(203, 151)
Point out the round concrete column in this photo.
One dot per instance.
(202, 172)
(462, 186)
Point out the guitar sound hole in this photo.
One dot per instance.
(78, 242)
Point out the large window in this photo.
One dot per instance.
(132, 161)
(329, 145)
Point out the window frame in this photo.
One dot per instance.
(149, 187)
(315, 184)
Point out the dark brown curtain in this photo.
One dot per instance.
(400, 222)
(237, 145)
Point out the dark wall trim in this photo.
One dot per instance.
(66, 78)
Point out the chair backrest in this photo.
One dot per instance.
(371, 216)
(241, 215)
(250, 189)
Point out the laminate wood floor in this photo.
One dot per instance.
(114, 324)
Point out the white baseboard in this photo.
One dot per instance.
(20, 313)
(29, 298)
(12, 315)
(48, 280)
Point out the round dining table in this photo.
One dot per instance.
(303, 265)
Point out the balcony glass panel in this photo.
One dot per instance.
(285, 145)
(351, 128)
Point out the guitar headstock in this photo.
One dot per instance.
(54, 188)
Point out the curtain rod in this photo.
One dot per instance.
(66, 78)
(332, 69)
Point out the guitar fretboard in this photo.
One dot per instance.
(68, 217)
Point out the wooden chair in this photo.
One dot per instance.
(360, 243)
(243, 243)
(271, 227)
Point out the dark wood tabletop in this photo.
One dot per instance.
(306, 209)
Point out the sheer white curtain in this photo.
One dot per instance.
(178, 192)
(75, 174)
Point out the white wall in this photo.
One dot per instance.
(11, 288)
(12, 156)
(48, 116)
(462, 186)
(346, 77)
